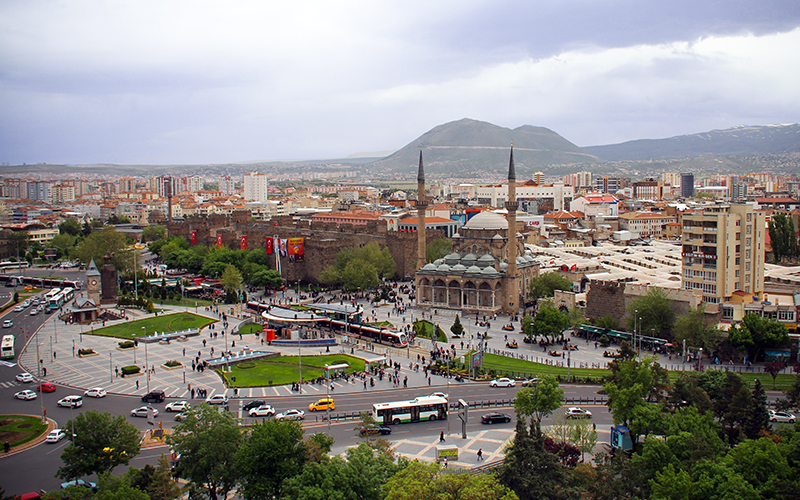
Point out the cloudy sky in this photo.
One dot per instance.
(166, 81)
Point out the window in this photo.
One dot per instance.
(749, 230)
(785, 315)
(747, 254)
(738, 236)
(747, 242)
(738, 261)
(747, 267)
(737, 273)
(738, 222)
(747, 289)
(749, 217)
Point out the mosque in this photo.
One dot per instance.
(487, 272)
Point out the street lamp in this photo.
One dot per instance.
(146, 362)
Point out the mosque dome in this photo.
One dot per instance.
(452, 259)
(487, 220)
(486, 260)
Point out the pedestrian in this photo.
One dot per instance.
(184, 352)
(6, 447)
(480, 454)
(445, 462)
(54, 355)
(441, 437)
(204, 342)
(192, 393)
(137, 385)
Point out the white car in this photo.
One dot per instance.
(217, 399)
(19, 308)
(8, 323)
(178, 406)
(27, 395)
(502, 382)
(73, 401)
(530, 382)
(24, 377)
(438, 395)
(292, 414)
(576, 412)
(782, 416)
(262, 411)
(26, 303)
(142, 411)
(95, 392)
(55, 436)
(34, 312)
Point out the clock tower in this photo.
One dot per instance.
(93, 283)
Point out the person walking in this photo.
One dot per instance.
(137, 385)
(480, 454)
(441, 437)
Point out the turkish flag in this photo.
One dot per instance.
(269, 245)
(219, 240)
(194, 237)
(243, 242)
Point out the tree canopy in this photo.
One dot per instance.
(651, 314)
(539, 400)
(546, 284)
(755, 333)
(697, 330)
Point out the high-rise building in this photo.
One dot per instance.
(227, 186)
(607, 184)
(255, 187)
(723, 251)
(687, 185)
(126, 185)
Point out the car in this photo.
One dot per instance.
(142, 411)
(495, 418)
(262, 411)
(576, 412)
(26, 395)
(79, 482)
(155, 396)
(46, 387)
(34, 312)
(26, 303)
(383, 430)
(95, 392)
(72, 401)
(24, 377)
(253, 404)
(217, 399)
(19, 308)
(322, 405)
(530, 382)
(293, 414)
(55, 436)
(178, 406)
(782, 416)
(8, 323)
(438, 395)
(180, 417)
(502, 382)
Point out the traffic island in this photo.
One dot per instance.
(23, 431)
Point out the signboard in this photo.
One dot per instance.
(295, 249)
(477, 359)
(450, 452)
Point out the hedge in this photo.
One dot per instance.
(130, 370)
(127, 344)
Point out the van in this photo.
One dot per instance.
(156, 396)
(322, 405)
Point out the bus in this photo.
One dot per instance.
(58, 300)
(7, 264)
(7, 347)
(49, 295)
(417, 410)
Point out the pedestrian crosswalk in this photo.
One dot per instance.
(6, 385)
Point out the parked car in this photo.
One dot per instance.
(495, 418)
(95, 392)
(262, 411)
(782, 416)
(80, 482)
(24, 377)
(8, 323)
(293, 414)
(26, 395)
(71, 402)
(177, 406)
(576, 412)
(502, 382)
(253, 404)
(142, 411)
(322, 405)
(46, 387)
(55, 436)
(217, 399)
(156, 396)
(383, 430)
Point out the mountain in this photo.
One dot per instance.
(755, 140)
(470, 146)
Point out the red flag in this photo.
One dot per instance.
(269, 245)
(243, 242)
(194, 237)
(219, 240)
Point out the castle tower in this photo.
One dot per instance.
(422, 205)
(512, 205)
(93, 283)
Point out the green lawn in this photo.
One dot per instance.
(19, 429)
(188, 303)
(161, 323)
(283, 370)
(250, 328)
(504, 366)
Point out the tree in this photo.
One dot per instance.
(539, 400)
(774, 368)
(457, 328)
(527, 327)
(546, 284)
(755, 333)
(207, 442)
(273, 452)
(231, 279)
(438, 248)
(421, 481)
(19, 241)
(549, 322)
(108, 241)
(783, 237)
(98, 443)
(651, 313)
(583, 435)
(268, 278)
(153, 232)
(111, 487)
(359, 275)
(70, 227)
(696, 330)
(607, 321)
(119, 219)
(64, 243)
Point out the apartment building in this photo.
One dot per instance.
(649, 224)
(723, 251)
(255, 187)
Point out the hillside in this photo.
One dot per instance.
(470, 146)
(755, 140)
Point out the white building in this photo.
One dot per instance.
(592, 205)
(255, 187)
(532, 197)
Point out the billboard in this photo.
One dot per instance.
(295, 249)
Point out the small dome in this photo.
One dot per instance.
(487, 220)
(428, 267)
(497, 237)
(489, 271)
(486, 260)
(473, 270)
(443, 268)
(456, 235)
(521, 260)
(458, 268)
(438, 262)
(503, 267)
(528, 257)
(469, 259)
(452, 259)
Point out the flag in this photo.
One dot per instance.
(574, 267)
(243, 242)
(194, 237)
(269, 245)
(219, 241)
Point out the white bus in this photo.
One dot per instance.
(23, 264)
(416, 410)
(7, 347)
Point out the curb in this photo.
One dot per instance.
(51, 424)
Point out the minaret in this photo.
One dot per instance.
(422, 205)
(512, 205)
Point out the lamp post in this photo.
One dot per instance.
(640, 335)
(39, 376)
(135, 280)
(110, 367)
(146, 361)
(55, 327)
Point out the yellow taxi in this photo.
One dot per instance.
(321, 405)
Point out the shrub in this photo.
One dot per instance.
(246, 365)
(171, 363)
(127, 344)
(130, 370)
